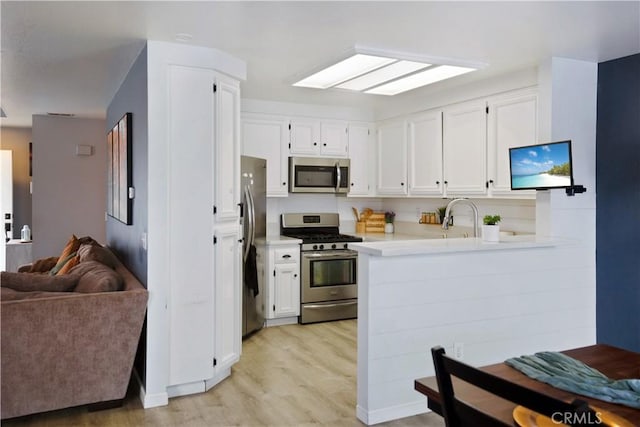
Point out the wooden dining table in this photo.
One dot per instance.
(615, 363)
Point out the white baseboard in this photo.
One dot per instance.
(211, 382)
(186, 389)
(149, 400)
(391, 413)
(281, 321)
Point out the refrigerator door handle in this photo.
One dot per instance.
(250, 238)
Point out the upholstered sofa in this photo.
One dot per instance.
(70, 341)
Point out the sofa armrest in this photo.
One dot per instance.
(68, 350)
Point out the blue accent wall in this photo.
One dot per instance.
(618, 203)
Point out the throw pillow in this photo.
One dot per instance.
(96, 277)
(61, 263)
(96, 253)
(69, 265)
(72, 246)
(41, 265)
(27, 282)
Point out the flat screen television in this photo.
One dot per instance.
(541, 166)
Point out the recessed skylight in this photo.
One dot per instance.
(382, 75)
(379, 72)
(420, 79)
(349, 68)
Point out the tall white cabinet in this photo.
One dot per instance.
(194, 271)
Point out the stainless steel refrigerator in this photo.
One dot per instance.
(253, 180)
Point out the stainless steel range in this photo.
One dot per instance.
(328, 269)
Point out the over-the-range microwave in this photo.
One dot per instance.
(318, 175)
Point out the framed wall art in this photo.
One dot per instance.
(119, 174)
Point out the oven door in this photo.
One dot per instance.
(329, 275)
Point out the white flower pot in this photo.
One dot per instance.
(490, 233)
(388, 227)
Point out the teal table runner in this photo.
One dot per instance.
(571, 375)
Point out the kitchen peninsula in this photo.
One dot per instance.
(483, 302)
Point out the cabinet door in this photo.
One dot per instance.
(361, 153)
(512, 122)
(333, 138)
(392, 158)
(286, 299)
(227, 149)
(227, 298)
(305, 136)
(190, 220)
(267, 137)
(425, 154)
(465, 148)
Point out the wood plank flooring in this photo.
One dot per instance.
(294, 375)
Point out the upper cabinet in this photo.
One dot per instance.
(512, 122)
(362, 155)
(425, 154)
(267, 137)
(464, 139)
(392, 158)
(312, 137)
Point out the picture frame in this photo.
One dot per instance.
(119, 171)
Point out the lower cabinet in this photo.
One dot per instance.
(282, 274)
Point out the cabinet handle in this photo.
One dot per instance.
(324, 145)
(295, 275)
(284, 183)
(352, 184)
(437, 182)
(446, 182)
(315, 143)
(286, 256)
(402, 183)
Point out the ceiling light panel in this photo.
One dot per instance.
(347, 69)
(382, 75)
(417, 80)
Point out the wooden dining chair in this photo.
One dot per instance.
(460, 414)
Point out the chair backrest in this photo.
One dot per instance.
(460, 414)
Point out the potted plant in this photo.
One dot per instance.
(490, 228)
(389, 216)
(441, 211)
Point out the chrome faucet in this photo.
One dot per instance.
(445, 221)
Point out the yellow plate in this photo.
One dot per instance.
(527, 418)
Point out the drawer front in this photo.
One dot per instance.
(286, 255)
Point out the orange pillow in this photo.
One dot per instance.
(72, 246)
(69, 265)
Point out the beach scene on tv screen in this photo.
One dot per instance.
(541, 166)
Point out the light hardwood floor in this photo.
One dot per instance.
(295, 375)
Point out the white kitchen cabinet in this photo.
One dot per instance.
(425, 154)
(392, 158)
(465, 149)
(512, 122)
(361, 153)
(227, 298)
(227, 149)
(283, 283)
(202, 172)
(267, 137)
(313, 137)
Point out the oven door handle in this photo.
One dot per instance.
(338, 176)
(324, 255)
(341, 304)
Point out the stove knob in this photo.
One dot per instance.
(333, 246)
(346, 245)
(315, 247)
(321, 247)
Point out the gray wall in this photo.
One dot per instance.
(131, 97)
(69, 191)
(17, 140)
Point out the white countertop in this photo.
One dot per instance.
(276, 239)
(421, 246)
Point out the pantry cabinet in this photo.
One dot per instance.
(512, 122)
(465, 149)
(392, 158)
(201, 235)
(283, 283)
(362, 155)
(313, 137)
(267, 137)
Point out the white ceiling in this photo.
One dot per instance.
(70, 57)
